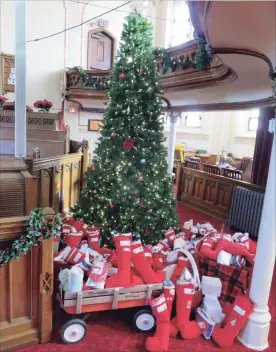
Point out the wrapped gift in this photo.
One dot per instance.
(224, 258)
(71, 280)
(98, 274)
(211, 286)
(205, 323)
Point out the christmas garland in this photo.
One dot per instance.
(200, 60)
(38, 230)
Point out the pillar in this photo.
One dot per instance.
(173, 118)
(255, 333)
(20, 79)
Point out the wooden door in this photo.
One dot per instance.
(99, 51)
(26, 288)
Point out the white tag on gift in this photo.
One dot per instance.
(124, 243)
(162, 308)
(138, 250)
(239, 310)
(188, 291)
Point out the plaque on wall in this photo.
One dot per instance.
(95, 125)
(8, 73)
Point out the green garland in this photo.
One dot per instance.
(82, 74)
(38, 230)
(200, 60)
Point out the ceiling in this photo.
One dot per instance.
(246, 25)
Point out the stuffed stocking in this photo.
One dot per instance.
(142, 265)
(160, 341)
(170, 236)
(158, 261)
(235, 320)
(148, 254)
(207, 248)
(123, 277)
(93, 235)
(244, 239)
(184, 293)
(182, 263)
(234, 248)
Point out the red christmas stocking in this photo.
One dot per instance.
(170, 236)
(148, 254)
(184, 293)
(169, 292)
(123, 277)
(160, 341)
(207, 249)
(158, 261)
(142, 265)
(182, 263)
(93, 235)
(235, 320)
(234, 248)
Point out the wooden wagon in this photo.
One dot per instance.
(74, 330)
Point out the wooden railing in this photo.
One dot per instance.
(181, 73)
(57, 182)
(208, 193)
(26, 288)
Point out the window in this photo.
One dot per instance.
(193, 120)
(253, 120)
(180, 29)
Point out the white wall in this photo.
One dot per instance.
(219, 130)
(47, 59)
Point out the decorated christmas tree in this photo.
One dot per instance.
(128, 188)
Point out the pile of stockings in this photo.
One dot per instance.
(183, 291)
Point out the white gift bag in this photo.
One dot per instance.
(71, 280)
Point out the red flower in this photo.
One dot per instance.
(128, 143)
(3, 99)
(41, 238)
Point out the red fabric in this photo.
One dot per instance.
(158, 261)
(181, 264)
(148, 254)
(73, 239)
(117, 324)
(160, 341)
(123, 277)
(93, 235)
(235, 320)
(234, 248)
(184, 295)
(170, 236)
(142, 265)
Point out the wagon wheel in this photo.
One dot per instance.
(73, 331)
(144, 321)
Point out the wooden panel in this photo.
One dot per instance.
(26, 289)
(209, 193)
(8, 73)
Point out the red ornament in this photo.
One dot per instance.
(138, 199)
(111, 205)
(124, 198)
(113, 134)
(150, 121)
(141, 71)
(128, 143)
(122, 76)
(141, 205)
(140, 179)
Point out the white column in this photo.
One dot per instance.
(173, 118)
(20, 79)
(255, 333)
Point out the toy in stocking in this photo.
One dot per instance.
(234, 248)
(73, 238)
(142, 265)
(123, 248)
(188, 229)
(160, 341)
(184, 293)
(235, 320)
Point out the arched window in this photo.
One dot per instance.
(180, 29)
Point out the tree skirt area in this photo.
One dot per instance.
(113, 331)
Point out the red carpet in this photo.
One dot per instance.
(112, 331)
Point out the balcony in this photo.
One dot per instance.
(178, 69)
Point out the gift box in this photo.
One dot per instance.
(224, 258)
(211, 286)
(213, 308)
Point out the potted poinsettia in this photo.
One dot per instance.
(43, 105)
(2, 101)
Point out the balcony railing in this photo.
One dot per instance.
(182, 67)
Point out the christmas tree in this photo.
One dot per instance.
(128, 188)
